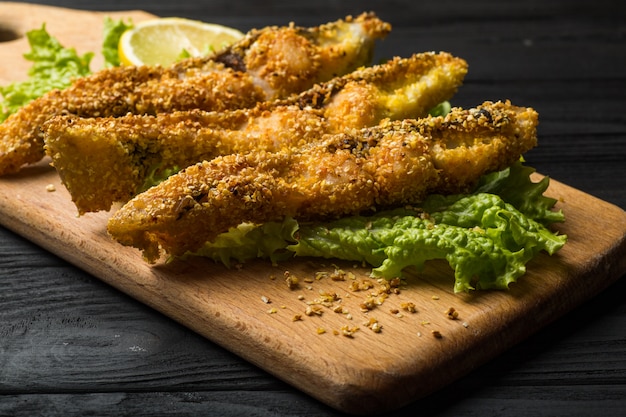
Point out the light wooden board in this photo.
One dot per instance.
(367, 373)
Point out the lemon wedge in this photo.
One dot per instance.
(166, 40)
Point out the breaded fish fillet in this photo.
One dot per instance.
(267, 64)
(395, 163)
(104, 160)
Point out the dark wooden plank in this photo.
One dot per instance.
(405, 13)
(173, 403)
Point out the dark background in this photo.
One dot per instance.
(71, 345)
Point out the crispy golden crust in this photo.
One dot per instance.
(267, 64)
(106, 160)
(116, 92)
(401, 88)
(291, 59)
(395, 163)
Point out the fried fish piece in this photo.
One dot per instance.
(267, 64)
(392, 164)
(105, 160)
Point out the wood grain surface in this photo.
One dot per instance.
(370, 372)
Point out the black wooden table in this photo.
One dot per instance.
(71, 345)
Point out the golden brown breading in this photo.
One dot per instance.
(395, 163)
(267, 64)
(291, 59)
(102, 161)
(115, 92)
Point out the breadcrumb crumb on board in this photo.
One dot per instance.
(335, 296)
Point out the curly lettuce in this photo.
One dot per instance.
(113, 30)
(485, 240)
(248, 241)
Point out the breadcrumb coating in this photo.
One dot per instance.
(393, 164)
(267, 64)
(104, 160)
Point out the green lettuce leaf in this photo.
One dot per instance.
(515, 186)
(485, 240)
(113, 30)
(156, 175)
(440, 109)
(249, 241)
(54, 67)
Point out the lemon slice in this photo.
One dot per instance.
(164, 41)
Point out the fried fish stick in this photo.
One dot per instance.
(266, 64)
(102, 161)
(395, 163)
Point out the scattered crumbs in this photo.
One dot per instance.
(313, 310)
(465, 324)
(340, 275)
(320, 274)
(337, 276)
(363, 285)
(368, 304)
(349, 331)
(272, 310)
(374, 325)
(452, 314)
(265, 299)
(51, 188)
(381, 299)
(327, 299)
(373, 293)
(395, 283)
(408, 306)
(291, 280)
(272, 277)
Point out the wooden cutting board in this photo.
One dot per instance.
(251, 311)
